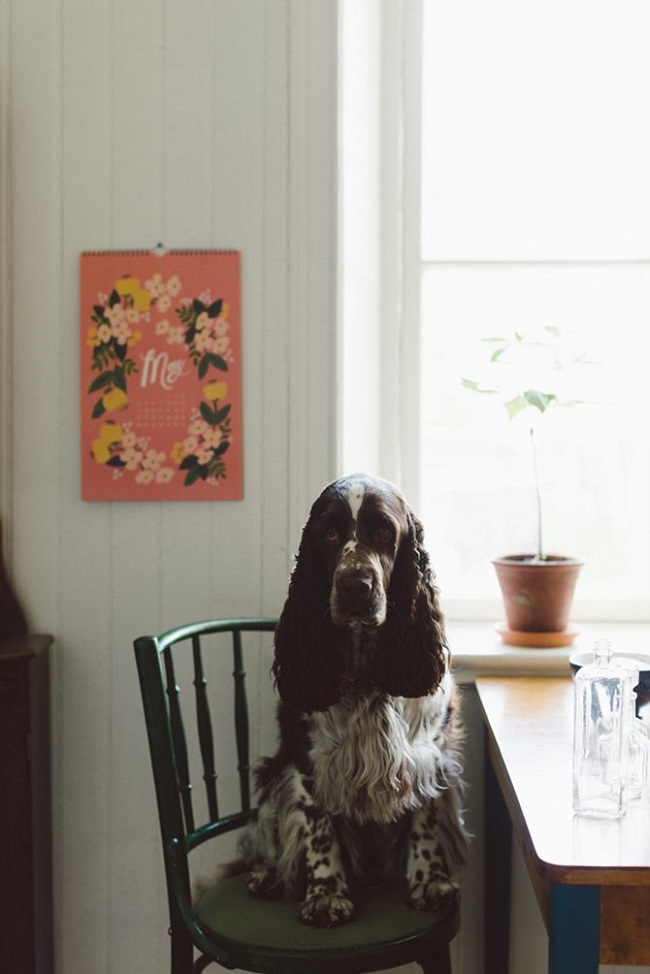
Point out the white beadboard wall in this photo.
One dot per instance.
(198, 123)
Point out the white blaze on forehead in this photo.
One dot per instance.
(355, 500)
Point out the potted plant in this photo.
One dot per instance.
(537, 587)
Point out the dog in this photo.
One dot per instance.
(366, 784)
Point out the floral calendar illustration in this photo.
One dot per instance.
(161, 398)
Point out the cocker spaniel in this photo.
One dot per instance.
(366, 783)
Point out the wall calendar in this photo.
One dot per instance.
(161, 397)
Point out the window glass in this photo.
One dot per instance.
(477, 483)
(536, 129)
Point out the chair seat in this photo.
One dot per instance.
(253, 932)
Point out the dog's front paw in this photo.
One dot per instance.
(326, 910)
(440, 896)
(263, 881)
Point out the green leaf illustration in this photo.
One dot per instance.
(192, 475)
(98, 410)
(218, 362)
(208, 415)
(101, 382)
(222, 414)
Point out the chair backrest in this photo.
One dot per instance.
(189, 705)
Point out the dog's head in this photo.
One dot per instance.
(362, 575)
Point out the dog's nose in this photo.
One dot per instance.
(354, 586)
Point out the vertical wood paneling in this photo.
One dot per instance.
(312, 292)
(6, 432)
(134, 123)
(36, 291)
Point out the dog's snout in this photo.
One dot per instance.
(355, 586)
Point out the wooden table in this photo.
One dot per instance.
(591, 877)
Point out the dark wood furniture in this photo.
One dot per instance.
(591, 877)
(25, 807)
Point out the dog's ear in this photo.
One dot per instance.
(411, 657)
(308, 653)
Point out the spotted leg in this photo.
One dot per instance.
(429, 883)
(327, 900)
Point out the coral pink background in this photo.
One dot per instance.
(160, 416)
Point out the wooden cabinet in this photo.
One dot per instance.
(25, 807)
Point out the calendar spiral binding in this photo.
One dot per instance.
(159, 251)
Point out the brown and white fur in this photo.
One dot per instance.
(366, 783)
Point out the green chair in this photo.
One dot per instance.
(187, 726)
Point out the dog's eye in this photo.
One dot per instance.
(385, 533)
(331, 535)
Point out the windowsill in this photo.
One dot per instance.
(477, 649)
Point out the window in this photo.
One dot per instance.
(514, 147)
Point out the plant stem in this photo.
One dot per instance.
(538, 495)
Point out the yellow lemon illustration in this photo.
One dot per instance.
(100, 450)
(131, 286)
(215, 390)
(177, 452)
(110, 432)
(114, 399)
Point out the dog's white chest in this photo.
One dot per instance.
(370, 763)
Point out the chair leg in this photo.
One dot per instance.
(439, 964)
(182, 955)
(201, 963)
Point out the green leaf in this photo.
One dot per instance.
(204, 365)
(188, 462)
(221, 449)
(516, 406)
(198, 306)
(540, 400)
(119, 379)
(98, 410)
(101, 381)
(114, 299)
(475, 387)
(208, 415)
(215, 309)
(217, 361)
(222, 414)
(192, 475)
(497, 353)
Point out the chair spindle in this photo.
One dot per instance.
(204, 727)
(180, 744)
(241, 721)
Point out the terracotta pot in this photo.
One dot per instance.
(537, 594)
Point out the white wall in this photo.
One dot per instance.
(199, 123)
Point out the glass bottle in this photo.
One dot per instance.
(638, 754)
(599, 742)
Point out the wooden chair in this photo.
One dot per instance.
(228, 925)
